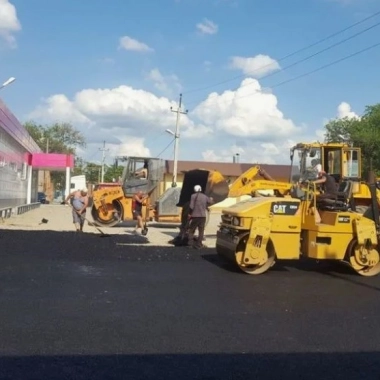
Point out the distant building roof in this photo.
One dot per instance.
(229, 169)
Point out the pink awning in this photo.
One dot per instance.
(52, 161)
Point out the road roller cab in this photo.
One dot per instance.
(256, 232)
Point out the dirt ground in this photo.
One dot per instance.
(59, 219)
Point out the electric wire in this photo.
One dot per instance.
(167, 147)
(295, 52)
(317, 53)
(317, 69)
(308, 57)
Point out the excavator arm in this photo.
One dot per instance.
(248, 183)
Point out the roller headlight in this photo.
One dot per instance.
(235, 221)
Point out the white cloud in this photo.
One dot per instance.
(246, 112)
(128, 43)
(224, 155)
(113, 114)
(321, 134)
(9, 23)
(246, 121)
(165, 84)
(57, 108)
(257, 66)
(344, 110)
(207, 27)
(257, 152)
(130, 146)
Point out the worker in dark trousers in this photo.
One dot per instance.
(199, 203)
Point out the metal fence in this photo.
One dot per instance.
(25, 208)
(7, 212)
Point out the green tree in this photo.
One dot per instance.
(92, 172)
(57, 138)
(113, 173)
(361, 132)
(80, 166)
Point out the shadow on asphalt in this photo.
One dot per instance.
(132, 223)
(347, 366)
(329, 268)
(87, 246)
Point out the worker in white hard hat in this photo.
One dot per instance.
(199, 203)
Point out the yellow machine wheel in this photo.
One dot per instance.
(112, 217)
(254, 269)
(365, 262)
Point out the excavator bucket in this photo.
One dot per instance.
(212, 182)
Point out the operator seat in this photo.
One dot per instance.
(341, 201)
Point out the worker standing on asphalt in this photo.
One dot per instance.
(79, 203)
(199, 203)
(137, 210)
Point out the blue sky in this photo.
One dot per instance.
(56, 49)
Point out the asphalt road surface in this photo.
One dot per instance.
(78, 306)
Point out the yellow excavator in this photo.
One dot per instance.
(256, 232)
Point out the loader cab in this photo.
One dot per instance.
(339, 160)
(141, 174)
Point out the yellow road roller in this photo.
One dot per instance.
(256, 232)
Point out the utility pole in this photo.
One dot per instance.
(178, 111)
(104, 150)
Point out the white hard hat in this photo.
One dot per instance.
(197, 188)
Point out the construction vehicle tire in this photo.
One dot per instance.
(253, 269)
(364, 261)
(111, 218)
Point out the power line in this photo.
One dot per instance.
(167, 147)
(318, 69)
(289, 55)
(310, 56)
(317, 53)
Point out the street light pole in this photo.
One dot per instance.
(7, 82)
(176, 139)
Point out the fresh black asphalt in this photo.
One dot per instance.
(78, 306)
